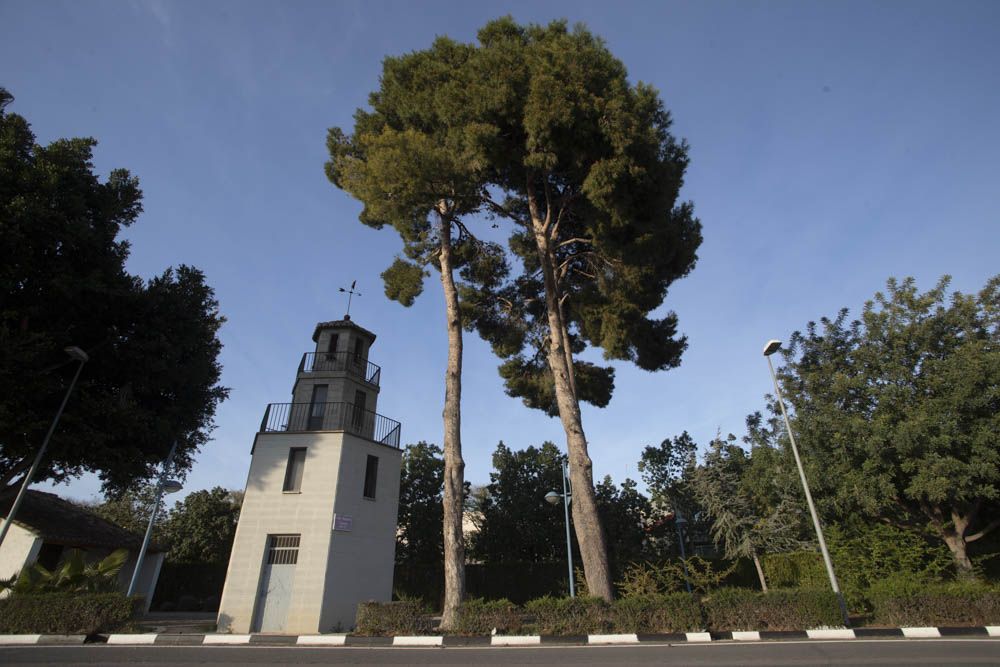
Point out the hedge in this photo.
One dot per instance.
(673, 612)
(745, 609)
(65, 614)
(484, 617)
(393, 618)
(904, 603)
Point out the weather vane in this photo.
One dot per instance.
(350, 295)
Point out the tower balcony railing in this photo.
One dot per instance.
(347, 417)
(346, 362)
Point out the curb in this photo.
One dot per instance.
(334, 640)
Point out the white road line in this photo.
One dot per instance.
(417, 641)
(698, 636)
(132, 639)
(746, 636)
(19, 639)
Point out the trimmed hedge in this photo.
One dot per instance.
(482, 617)
(65, 614)
(905, 603)
(746, 609)
(569, 616)
(672, 612)
(392, 618)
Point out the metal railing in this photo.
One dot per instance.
(298, 417)
(346, 362)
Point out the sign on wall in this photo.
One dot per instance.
(343, 522)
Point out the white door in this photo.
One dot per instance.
(276, 581)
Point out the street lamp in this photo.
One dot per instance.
(679, 522)
(78, 355)
(553, 499)
(163, 486)
(770, 348)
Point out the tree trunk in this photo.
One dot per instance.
(586, 522)
(954, 537)
(454, 466)
(760, 571)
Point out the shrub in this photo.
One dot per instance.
(570, 616)
(481, 617)
(745, 609)
(646, 579)
(393, 618)
(65, 614)
(673, 612)
(902, 602)
(795, 569)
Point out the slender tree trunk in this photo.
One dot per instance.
(454, 466)
(760, 570)
(586, 522)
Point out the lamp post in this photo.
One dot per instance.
(81, 356)
(163, 486)
(553, 499)
(770, 348)
(679, 522)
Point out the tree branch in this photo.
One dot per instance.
(987, 529)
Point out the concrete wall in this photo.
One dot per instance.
(335, 570)
(362, 560)
(20, 546)
(267, 510)
(150, 573)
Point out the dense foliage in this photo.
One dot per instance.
(154, 374)
(419, 534)
(65, 614)
(898, 412)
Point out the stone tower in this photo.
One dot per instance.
(317, 530)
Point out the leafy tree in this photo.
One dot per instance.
(628, 518)
(153, 375)
(899, 412)
(746, 524)
(516, 523)
(411, 161)
(130, 509)
(201, 527)
(591, 176)
(420, 538)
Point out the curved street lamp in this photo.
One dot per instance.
(553, 498)
(163, 486)
(770, 348)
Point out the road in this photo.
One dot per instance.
(856, 652)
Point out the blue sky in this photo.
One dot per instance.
(833, 145)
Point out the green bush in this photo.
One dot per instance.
(65, 614)
(795, 569)
(745, 609)
(673, 612)
(393, 618)
(904, 602)
(481, 617)
(570, 616)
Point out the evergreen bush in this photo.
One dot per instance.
(905, 602)
(404, 618)
(672, 612)
(65, 613)
(482, 617)
(570, 616)
(744, 609)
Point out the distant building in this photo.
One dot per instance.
(46, 527)
(317, 530)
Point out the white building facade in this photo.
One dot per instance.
(317, 529)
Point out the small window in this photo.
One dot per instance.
(293, 472)
(332, 344)
(283, 549)
(359, 348)
(371, 476)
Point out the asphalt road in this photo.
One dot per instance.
(856, 652)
